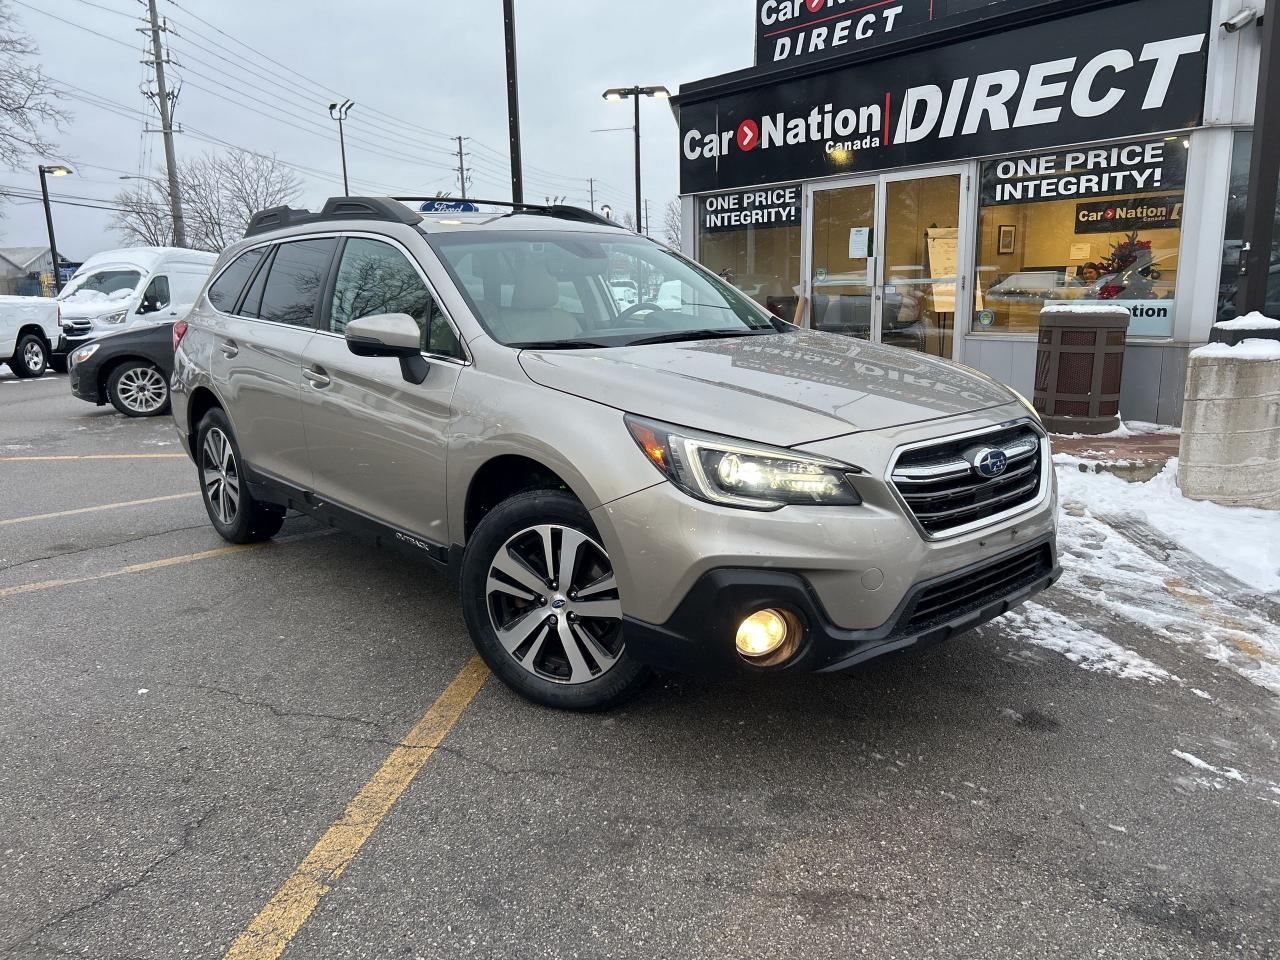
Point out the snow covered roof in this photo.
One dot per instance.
(144, 258)
(23, 257)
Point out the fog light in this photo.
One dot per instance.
(765, 633)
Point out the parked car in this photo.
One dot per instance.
(706, 489)
(118, 289)
(130, 370)
(29, 331)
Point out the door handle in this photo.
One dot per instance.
(229, 348)
(316, 376)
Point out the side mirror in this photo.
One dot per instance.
(390, 335)
(149, 305)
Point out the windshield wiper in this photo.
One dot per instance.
(677, 335)
(556, 344)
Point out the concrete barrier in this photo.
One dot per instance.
(1230, 447)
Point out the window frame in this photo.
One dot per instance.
(326, 305)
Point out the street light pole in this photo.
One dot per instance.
(339, 112)
(56, 170)
(616, 94)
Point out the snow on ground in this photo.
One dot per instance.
(1119, 582)
(1231, 773)
(1092, 651)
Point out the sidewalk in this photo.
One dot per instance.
(1136, 452)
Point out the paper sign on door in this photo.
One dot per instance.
(859, 243)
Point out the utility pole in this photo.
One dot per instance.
(462, 169)
(591, 185)
(1264, 170)
(636, 98)
(513, 102)
(166, 127)
(646, 216)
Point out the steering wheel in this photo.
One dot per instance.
(635, 308)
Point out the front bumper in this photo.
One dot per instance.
(85, 387)
(699, 636)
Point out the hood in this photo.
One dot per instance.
(784, 390)
(91, 309)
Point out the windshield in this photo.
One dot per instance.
(102, 285)
(563, 290)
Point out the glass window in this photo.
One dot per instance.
(1092, 223)
(102, 285)
(1229, 286)
(156, 296)
(297, 274)
(225, 291)
(752, 239)
(375, 277)
(628, 289)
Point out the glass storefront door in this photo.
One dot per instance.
(883, 259)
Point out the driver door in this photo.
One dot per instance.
(377, 442)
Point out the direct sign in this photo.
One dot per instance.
(1103, 171)
(1132, 69)
(801, 31)
(1129, 214)
(766, 207)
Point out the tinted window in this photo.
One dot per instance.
(226, 289)
(375, 277)
(293, 285)
(252, 301)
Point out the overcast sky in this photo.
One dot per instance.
(431, 64)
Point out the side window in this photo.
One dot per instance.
(156, 296)
(375, 277)
(251, 305)
(225, 291)
(297, 274)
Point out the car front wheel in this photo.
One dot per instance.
(138, 389)
(542, 604)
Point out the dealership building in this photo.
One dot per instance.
(932, 173)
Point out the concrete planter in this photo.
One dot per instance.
(1230, 448)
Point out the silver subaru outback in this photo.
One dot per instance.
(623, 462)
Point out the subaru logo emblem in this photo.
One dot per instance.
(988, 463)
(557, 603)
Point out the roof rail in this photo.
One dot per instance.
(559, 210)
(335, 208)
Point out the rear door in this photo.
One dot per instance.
(256, 363)
(377, 441)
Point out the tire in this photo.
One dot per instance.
(234, 513)
(30, 357)
(557, 644)
(138, 389)
(58, 363)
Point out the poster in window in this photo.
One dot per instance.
(1008, 239)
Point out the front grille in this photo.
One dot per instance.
(976, 588)
(76, 328)
(942, 489)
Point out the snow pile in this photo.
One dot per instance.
(1243, 541)
(1251, 349)
(97, 296)
(1253, 321)
(1230, 773)
(1092, 651)
(1110, 310)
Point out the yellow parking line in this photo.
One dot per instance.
(105, 506)
(271, 931)
(100, 456)
(132, 568)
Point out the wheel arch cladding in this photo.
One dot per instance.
(32, 328)
(503, 477)
(202, 401)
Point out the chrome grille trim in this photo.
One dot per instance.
(944, 500)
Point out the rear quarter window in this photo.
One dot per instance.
(225, 291)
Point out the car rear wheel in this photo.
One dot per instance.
(542, 604)
(138, 389)
(30, 357)
(232, 510)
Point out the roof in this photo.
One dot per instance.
(145, 258)
(23, 257)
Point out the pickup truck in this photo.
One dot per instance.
(30, 333)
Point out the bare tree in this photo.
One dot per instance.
(220, 192)
(28, 99)
(671, 223)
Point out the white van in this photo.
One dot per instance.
(118, 289)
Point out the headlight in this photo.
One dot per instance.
(84, 353)
(742, 474)
(1031, 407)
(114, 317)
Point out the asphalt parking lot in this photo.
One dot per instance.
(185, 724)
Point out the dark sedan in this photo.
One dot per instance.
(130, 370)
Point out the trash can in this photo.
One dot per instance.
(1079, 365)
